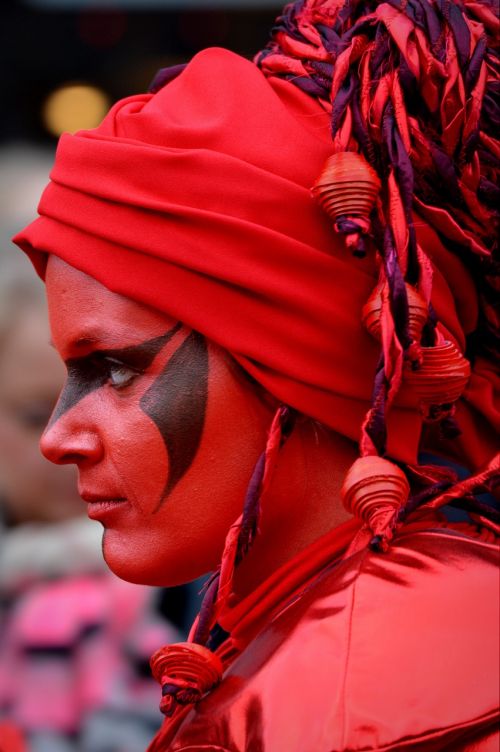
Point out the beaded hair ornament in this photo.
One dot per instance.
(410, 87)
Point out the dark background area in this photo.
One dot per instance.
(117, 47)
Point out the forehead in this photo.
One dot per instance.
(82, 312)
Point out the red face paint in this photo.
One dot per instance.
(163, 427)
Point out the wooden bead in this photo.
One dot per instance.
(374, 489)
(417, 313)
(441, 378)
(186, 671)
(347, 186)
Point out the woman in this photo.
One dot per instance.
(207, 310)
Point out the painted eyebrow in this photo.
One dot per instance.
(84, 339)
(141, 354)
(80, 342)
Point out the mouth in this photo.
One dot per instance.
(99, 506)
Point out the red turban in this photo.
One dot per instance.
(196, 201)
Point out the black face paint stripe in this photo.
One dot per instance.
(90, 372)
(177, 402)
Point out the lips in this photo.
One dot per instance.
(91, 498)
(100, 507)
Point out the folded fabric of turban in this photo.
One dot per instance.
(196, 201)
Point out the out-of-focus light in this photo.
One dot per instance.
(74, 106)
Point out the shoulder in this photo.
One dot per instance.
(385, 651)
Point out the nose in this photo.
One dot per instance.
(65, 444)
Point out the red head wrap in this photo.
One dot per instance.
(196, 201)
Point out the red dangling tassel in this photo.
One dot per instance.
(243, 531)
(346, 190)
(374, 490)
(186, 671)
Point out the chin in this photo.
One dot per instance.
(143, 566)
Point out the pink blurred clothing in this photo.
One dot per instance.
(74, 645)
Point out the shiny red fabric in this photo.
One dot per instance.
(11, 738)
(379, 653)
(196, 201)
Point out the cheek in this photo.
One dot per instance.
(234, 435)
(135, 451)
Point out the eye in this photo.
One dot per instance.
(120, 375)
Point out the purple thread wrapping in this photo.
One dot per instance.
(261, 56)
(487, 158)
(475, 63)
(250, 519)
(376, 427)
(409, 9)
(432, 24)
(380, 53)
(251, 510)
(399, 158)
(429, 329)
(349, 226)
(286, 21)
(403, 171)
(170, 689)
(251, 507)
(341, 101)
(347, 11)
(490, 116)
(397, 290)
(449, 427)
(330, 39)
(446, 170)
(361, 132)
(164, 76)
(489, 192)
(407, 79)
(202, 632)
(364, 24)
(309, 85)
(325, 70)
(418, 499)
(470, 145)
(459, 29)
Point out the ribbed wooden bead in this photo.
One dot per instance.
(442, 376)
(193, 670)
(347, 186)
(417, 313)
(373, 484)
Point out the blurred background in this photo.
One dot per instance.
(108, 50)
(74, 640)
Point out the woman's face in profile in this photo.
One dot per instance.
(161, 424)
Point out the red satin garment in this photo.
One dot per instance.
(395, 651)
(11, 738)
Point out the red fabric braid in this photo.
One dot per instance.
(196, 201)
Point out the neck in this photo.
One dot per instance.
(303, 502)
